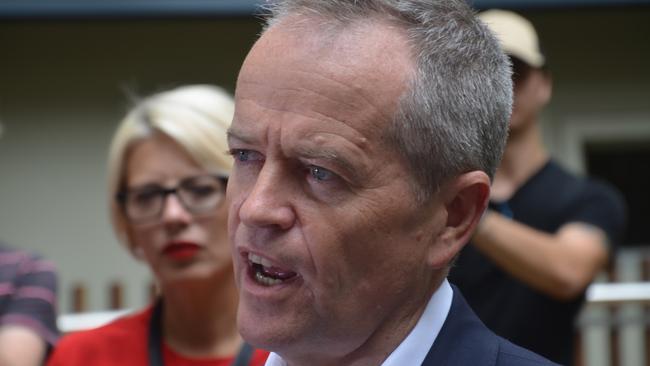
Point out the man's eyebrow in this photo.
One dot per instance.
(233, 134)
(327, 154)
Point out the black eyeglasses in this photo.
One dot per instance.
(198, 195)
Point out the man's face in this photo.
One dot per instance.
(330, 248)
(532, 91)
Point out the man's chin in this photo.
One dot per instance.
(261, 332)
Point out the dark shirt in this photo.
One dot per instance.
(548, 200)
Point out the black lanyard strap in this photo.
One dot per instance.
(154, 341)
(244, 356)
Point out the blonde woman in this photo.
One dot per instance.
(168, 168)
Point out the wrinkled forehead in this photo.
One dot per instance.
(360, 63)
(364, 42)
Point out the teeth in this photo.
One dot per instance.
(256, 259)
(258, 262)
(259, 277)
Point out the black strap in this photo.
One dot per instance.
(244, 356)
(154, 342)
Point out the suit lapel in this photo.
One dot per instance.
(463, 339)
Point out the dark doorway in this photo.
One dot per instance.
(626, 165)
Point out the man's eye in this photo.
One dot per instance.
(320, 174)
(245, 155)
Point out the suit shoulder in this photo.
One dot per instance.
(513, 355)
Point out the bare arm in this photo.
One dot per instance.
(561, 265)
(20, 346)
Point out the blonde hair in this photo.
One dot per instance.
(196, 117)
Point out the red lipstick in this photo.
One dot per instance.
(181, 250)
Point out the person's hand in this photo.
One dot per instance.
(20, 346)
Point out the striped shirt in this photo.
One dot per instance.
(28, 287)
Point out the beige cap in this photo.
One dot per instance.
(516, 35)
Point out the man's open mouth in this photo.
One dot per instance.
(265, 273)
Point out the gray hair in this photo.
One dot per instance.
(454, 116)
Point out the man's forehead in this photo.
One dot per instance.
(364, 48)
(367, 66)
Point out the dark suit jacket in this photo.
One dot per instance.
(465, 341)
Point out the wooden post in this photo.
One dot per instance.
(79, 303)
(116, 296)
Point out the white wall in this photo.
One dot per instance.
(61, 96)
(52, 200)
(599, 60)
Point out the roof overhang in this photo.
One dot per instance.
(124, 9)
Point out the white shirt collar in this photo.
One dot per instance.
(416, 345)
(275, 360)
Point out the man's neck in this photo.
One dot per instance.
(379, 345)
(523, 157)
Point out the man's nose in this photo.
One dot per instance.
(269, 201)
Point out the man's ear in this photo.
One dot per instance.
(464, 198)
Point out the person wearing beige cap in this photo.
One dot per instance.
(546, 233)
